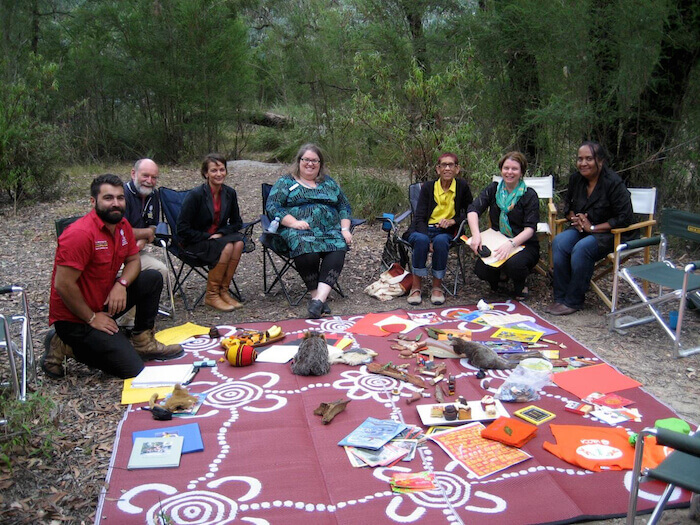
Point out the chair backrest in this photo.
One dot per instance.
(413, 194)
(643, 201)
(544, 186)
(62, 224)
(266, 189)
(681, 224)
(170, 205)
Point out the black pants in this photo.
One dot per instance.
(516, 268)
(317, 268)
(114, 354)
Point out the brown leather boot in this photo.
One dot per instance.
(228, 277)
(213, 294)
(56, 351)
(148, 347)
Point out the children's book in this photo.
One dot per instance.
(156, 452)
(373, 433)
(192, 437)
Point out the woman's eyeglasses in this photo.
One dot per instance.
(444, 165)
(310, 161)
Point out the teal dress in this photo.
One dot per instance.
(323, 207)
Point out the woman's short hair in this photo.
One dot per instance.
(517, 157)
(321, 168)
(212, 157)
(448, 154)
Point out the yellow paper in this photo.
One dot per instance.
(178, 334)
(132, 395)
(343, 343)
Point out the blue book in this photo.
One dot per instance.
(373, 433)
(192, 441)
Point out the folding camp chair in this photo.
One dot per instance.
(170, 205)
(544, 186)
(276, 259)
(398, 249)
(20, 355)
(673, 283)
(681, 468)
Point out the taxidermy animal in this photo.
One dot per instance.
(312, 357)
(179, 400)
(354, 357)
(480, 356)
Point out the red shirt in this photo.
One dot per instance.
(88, 246)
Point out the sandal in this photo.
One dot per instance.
(415, 297)
(524, 294)
(437, 296)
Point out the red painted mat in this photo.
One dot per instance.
(268, 459)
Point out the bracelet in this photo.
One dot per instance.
(344, 229)
(511, 242)
(92, 318)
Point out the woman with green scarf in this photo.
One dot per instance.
(514, 211)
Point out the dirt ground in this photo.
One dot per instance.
(64, 488)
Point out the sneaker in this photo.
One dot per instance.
(149, 348)
(315, 309)
(55, 353)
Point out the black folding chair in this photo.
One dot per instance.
(398, 249)
(170, 205)
(277, 261)
(681, 468)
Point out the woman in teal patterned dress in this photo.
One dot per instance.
(315, 222)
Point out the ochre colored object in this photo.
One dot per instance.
(241, 355)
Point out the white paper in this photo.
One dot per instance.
(162, 375)
(277, 354)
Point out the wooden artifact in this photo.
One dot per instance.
(390, 370)
(329, 410)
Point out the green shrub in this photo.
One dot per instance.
(370, 195)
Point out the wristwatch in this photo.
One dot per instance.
(123, 282)
(592, 227)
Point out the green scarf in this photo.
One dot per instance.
(505, 202)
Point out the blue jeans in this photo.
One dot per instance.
(440, 239)
(575, 255)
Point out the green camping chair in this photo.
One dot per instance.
(674, 284)
(681, 468)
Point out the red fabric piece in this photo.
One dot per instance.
(601, 378)
(88, 246)
(593, 448)
(510, 431)
(268, 457)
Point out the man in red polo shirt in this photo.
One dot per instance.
(87, 292)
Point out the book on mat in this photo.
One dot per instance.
(190, 433)
(163, 375)
(373, 433)
(156, 452)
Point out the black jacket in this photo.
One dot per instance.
(426, 205)
(525, 213)
(197, 214)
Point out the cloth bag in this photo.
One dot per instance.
(394, 282)
(510, 431)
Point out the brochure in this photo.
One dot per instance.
(150, 452)
(192, 437)
(373, 433)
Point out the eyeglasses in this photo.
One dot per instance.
(310, 161)
(444, 165)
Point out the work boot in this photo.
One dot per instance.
(149, 348)
(213, 294)
(228, 277)
(55, 352)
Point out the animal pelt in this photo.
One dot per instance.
(480, 356)
(179, 400)
(354, 357)
(312, 356)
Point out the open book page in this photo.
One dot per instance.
(493, 239)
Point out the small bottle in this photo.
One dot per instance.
(274, 225)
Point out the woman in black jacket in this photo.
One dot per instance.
(442, 206)
(208, 227)
(513, 210)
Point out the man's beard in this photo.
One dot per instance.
(143, 190)
(111, 215)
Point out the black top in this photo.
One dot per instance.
(141, 212)
(426, 205)
(197, 214)
(609, 202)
(524, 214)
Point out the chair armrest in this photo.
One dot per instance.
(635, 226)
(162, 231)
(460, 231)
(678, 441)
(10, 288)
(692, 267)
(639, 243)
(354, 223)
(247, 225)
(552, 209)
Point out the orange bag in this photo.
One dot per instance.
(510, 431)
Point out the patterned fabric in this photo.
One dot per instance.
(506, 201)
(323, 207)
